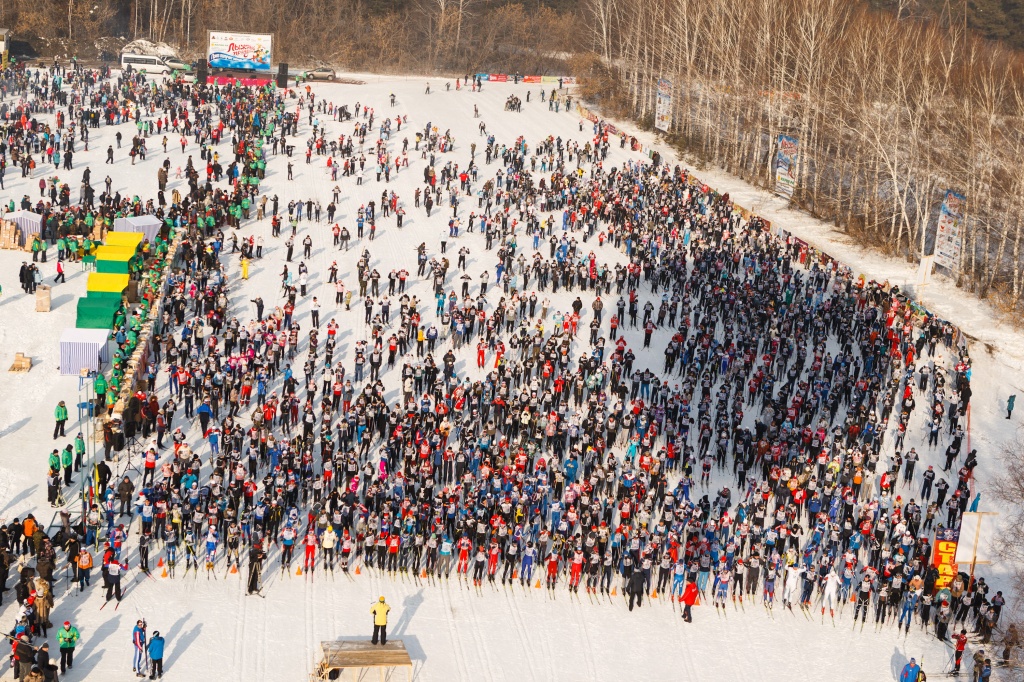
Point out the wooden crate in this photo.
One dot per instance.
(10, 236)
(21, 363)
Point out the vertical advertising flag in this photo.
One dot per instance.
(785, 166)
(949, 237)
(663, 108)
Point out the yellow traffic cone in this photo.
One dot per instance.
(298, 571)
(538, 584)
(613, 591)
(164, 574)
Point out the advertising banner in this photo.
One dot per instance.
(785, 166)
(663, 108)
(248, 51)
(949, 236)
(944, 556)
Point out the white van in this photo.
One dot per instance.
(145, 63)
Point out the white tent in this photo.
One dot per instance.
(83, 348)
(148, 225)
(28, 222)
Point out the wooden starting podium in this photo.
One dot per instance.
(338, 657)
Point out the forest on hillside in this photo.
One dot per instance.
(889, 113)
(993, 19)
(379, 35)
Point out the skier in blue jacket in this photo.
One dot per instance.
(911, 671)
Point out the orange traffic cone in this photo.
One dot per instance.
(234, 569)
(298, 571)
(160, 562)
(515, 574)
(538, 584)
(613, 591)
(164, 574)
(654, 594)
(358, 571)
(697, 602)
(424, 573)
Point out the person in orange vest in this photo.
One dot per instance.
(84, 562)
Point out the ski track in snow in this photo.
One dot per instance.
(588, 649)
(309, 608)
(243, 625)
(460, 653)
(522, 632)
(484, 665)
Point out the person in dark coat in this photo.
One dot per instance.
(26, 655)
(256, 556)
(636, 588)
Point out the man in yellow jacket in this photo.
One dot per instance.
(380, 621)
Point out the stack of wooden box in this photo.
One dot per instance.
(21, 363)
(10, 235)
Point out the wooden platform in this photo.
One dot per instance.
(360, 655)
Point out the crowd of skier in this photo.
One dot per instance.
(740, 424)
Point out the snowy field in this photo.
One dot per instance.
(213, 631)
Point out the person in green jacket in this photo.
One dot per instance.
(79, 450)
(67, 638)
(99, 387)
(54, 461)
(60, 413)
(67, 459)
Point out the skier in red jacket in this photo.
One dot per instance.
(689, 599)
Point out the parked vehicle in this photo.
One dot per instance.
(145, 63)
(322, 73)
